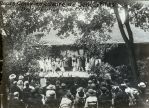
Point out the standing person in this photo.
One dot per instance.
(92, 63)
(66, 65)
(62, 64)
(80, 64)
(74, 63)
(87, 65)
(83, 62)
(53, 65)
(70, 63)
(49, 64)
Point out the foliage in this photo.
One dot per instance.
(105, 70)
(140, 15)
(91, 24)
(143, 67)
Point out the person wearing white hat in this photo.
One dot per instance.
(21, 77)
(51, 87)
(12, 76)
(91, 100)
(50, 99)
(142, 85)
(142, 88)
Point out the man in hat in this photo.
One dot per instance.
(91, 100)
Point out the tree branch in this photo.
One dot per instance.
(130, 34)
(120, 24)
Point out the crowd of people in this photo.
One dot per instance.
(25, 92)
(71, 63)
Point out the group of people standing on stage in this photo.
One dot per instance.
(72, 63)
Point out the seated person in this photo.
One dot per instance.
(91, 101)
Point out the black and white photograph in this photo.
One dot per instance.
(74, 54)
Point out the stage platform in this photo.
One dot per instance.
(65, 74)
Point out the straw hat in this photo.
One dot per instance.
(50, 93)
(80, 89)
(51, 87)
(91, 92)
(16, 94)
(21, 77)
(12, 76)
(142, 85)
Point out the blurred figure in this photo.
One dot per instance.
(27, 94)
(16, 102)
(105, 99)
(20, 84)
(91, 100)
(87, 66)
(36, 99)
(50, 99)
(66, 101)
(15, 88)
(74, 63)
(79, 101)
(121, 98)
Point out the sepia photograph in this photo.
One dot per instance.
(74, 54)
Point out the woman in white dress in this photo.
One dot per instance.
(87, 67)
(74, 63)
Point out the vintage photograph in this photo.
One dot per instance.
(74, 54)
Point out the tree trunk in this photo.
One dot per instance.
(128, 41)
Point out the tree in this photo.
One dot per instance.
(94, 26)
(128, 40)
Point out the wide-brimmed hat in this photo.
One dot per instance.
(80, 89)
(12, 76)
(91, 92)
(142, 85)
(21, 77)
(50, 93)
(90, 81)
(16, 94)
(51, 87)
